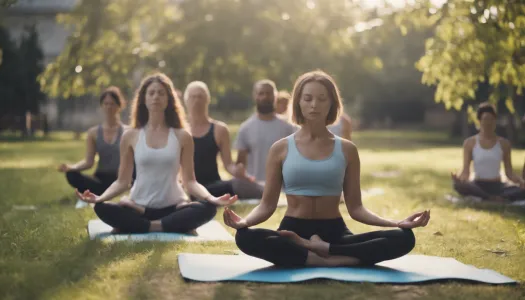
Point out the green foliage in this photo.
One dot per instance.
(474, 42)
(226, 43)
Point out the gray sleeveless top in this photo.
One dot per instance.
(108, 154)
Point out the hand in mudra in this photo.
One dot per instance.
(240, 172)
(233, 220)
(88, 196)
(223, 200)
(419, 219)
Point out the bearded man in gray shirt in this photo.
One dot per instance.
(259, 132)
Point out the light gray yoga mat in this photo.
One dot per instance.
(211, 231)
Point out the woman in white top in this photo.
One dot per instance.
(342, 127)
(487, 151)
(160, 145)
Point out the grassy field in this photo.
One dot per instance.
(46, 254)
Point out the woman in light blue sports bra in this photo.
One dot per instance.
(315, 167)
(487, 151)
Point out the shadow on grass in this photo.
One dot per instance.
(33, 279)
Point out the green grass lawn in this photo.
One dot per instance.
(46, 254)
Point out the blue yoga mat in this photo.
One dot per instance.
(407, 269)
(211, 231)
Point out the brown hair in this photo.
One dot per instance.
(486, 107)
(328, 82)
(284, 95)
(116, 96)
(174, 113)
(267, 82)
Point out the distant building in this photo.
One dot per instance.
(80, 113)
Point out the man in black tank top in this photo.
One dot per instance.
(212, 137)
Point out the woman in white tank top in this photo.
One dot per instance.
(487, 150)
(160, 146)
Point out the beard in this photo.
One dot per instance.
(265, 107)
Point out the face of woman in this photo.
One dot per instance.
(488, 121)
(315, 102)
(109, 106)
(156, 97)
(281, 105)
(196, 100)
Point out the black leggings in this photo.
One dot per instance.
(180, 220)
(243, 188)
(370, 248)
(487, 189)
(97, 183)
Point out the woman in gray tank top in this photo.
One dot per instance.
(102, 140)
(160, 145)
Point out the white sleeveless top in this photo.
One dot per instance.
(157, 185)
(336, 128)
(487, 162)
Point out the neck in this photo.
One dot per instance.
(111, 121)
(488, 134)
(266, 117)
(156, 120)
(198, 118)
(314, 130)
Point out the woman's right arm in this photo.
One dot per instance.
(125, 171)
(272, 187)
(467, 158)
(89, 159)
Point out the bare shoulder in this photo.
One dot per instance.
(346, 118)
(279, 149)
(130, 136)
(505, 143)
(220, 126)
(183, 135)
(92, 132)
(349, 149)
(470, 141)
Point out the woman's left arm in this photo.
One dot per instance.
(352, 194)
(188, 173)
(507, 162)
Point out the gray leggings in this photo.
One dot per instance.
(487, 189)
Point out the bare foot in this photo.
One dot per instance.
(126, 202)
(315, 260)
(319, 246)
(295, 238)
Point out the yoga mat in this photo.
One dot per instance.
(211, 231)
(406, 269)
(472, 199)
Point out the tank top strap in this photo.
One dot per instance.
(338, 146)
(292, 147)
(100, 133)
(141, 141)
(120, 132)
(212, 129)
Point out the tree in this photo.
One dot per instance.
(227, 43)
(9, 70)
(31, 65)
(474, 43)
